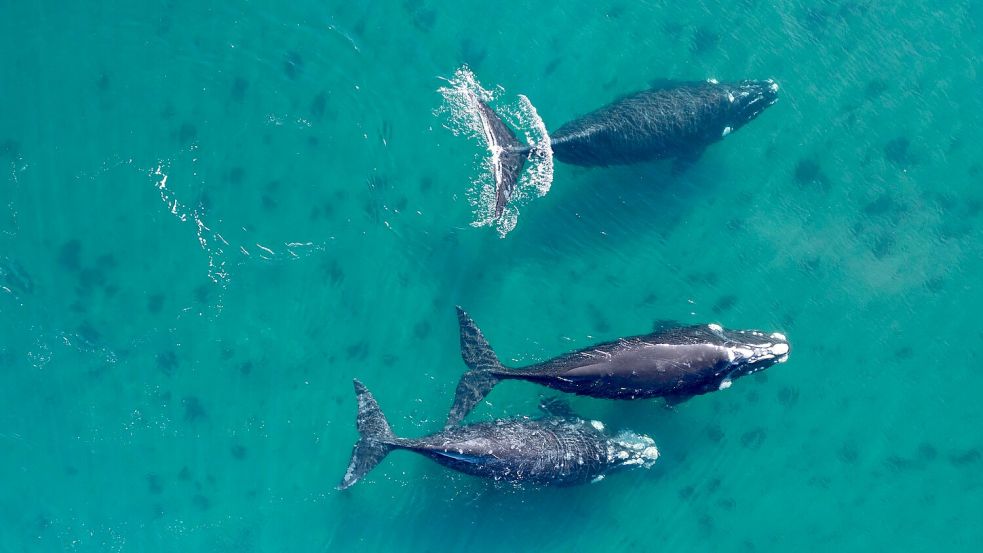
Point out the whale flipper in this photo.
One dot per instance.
(485, 370)
(662, 84)
(557, 407)
(508, 155)
(376, 438)
(661, 325)
(672, 400)
(463, 457)
(685, 160)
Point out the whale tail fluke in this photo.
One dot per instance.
(484, 370)
(517, 162)
(376, 439)
(508, 155)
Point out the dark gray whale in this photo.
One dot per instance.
(673, 363)
(677, 121)
(556, 450)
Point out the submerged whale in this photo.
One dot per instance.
(677, 121)
(672, 363)
(555, 450)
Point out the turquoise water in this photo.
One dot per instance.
(213, 218)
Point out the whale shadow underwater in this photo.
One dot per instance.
(625, 206)
(677, 120)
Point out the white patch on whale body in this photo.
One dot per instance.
(597, 479)
(598, 425)
(730, 97)
(773, 86)
(725, 383)
(726, 131)
(779, 336)
(711, 80)
(779, 349)
(715, 327)
(350, 472)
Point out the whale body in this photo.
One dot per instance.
(677, 121)
(674, 363)
(555, 450)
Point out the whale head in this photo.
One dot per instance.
(747, 100)
(750, 351)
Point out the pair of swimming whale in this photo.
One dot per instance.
(672, 363)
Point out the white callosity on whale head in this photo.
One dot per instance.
(772, 85)
(649, 454)
(752, 347)
(715, 327)
(598, 425)
(760, 352)
(725, 383)
(727, 131)
(633, 449)
(780, 351)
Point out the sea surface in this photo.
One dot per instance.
(214, 215)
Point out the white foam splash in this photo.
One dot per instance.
(207, 238)
(16, 166)
(538, 175)
(463, 95)
(213, 243)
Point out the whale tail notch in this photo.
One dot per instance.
(376, 439)
(484, 370)
(508, 155)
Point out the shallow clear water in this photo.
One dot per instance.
(213, 218)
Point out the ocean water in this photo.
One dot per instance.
(213, 217)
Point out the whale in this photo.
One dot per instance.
(673, 120)
(559, 449)
(675, 363)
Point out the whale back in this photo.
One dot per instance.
(553, 450)
(658, 123)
